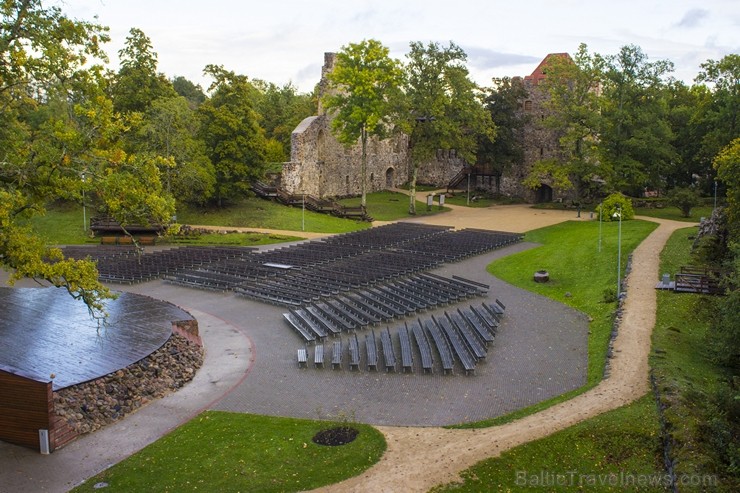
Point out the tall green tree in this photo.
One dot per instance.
(364, 86)
(281, 109)
(727, 164)
(573, 113)
(235, 143)
(60, 135)
(635, 135)
(171, 129)
(502, 101)
(189, 90)
(443, 107)
(137, 83)
(688, 107)
(723, 79)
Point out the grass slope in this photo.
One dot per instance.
(253, 212)
(617, 451)
(685, 375)
(231, 452)
(393, 206)
(579, 275)
(579, 272)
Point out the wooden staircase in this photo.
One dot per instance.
(324, 206)
(474, 172)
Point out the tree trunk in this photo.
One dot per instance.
(412, 190)
(363, 138)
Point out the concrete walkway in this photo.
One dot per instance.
(228, 359)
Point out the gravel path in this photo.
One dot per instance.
(417, 459)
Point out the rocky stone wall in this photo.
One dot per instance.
(89, 406)
(441, 170)
(321, 166)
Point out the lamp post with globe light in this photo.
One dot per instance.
(616, 215)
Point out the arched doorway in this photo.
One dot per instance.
(543, 194)
(389, 178)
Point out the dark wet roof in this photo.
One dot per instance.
(45, 331)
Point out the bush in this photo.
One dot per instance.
(684, 199)
(613, 204)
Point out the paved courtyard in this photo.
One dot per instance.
(540, 351)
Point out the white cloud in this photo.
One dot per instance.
(284, 41)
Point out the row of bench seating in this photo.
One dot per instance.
(459, 338)
(382, 303)
(296, 275)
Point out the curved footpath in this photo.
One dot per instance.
(418, 459)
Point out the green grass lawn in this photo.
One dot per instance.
(254, 212)
(231, 452)
(461, 199)
(63, 223)
(579, 272)
(579, 275)
(674, 213)
(667, 212)
(392, 206)
(610, 452)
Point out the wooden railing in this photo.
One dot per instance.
(324, 206)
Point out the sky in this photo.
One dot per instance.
(284, 41)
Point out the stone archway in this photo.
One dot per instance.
(390, 175)
(543, 194)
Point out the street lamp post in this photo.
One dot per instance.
(715, 194)
(601, 212)
(303, 212)
(468, 201)
(84, 209)
(619, 251)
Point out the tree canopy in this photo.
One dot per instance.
(61, 135)
(443, 107)
(364, 86)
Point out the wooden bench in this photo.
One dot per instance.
(318, 356)
(302, 358)
(425, 349)
(407, 357)
(354, 352)
(480, 327)
(372, 351)
(298, 326)
(462, 352)
(336, 354)
(389, 355)
(443, 348)
(476, 346)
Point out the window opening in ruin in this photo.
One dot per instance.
(527, 105)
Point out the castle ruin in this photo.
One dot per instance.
(323, 167)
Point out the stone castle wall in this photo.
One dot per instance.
(321, 166)
(441, 170)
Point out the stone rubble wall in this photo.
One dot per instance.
(89, 406)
